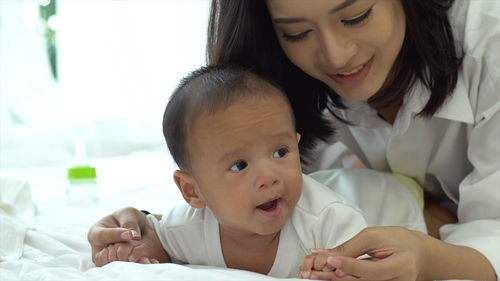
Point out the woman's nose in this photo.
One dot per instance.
(335, 50)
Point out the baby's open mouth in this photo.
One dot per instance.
(270, 209)
(269, 206)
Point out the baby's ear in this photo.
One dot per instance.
(189, 189)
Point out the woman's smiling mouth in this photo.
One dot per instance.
(352, 76)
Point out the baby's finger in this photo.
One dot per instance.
(101, 258)
(329, 275)
(306, 267)
(320, 261)
(123, 251)
(332, 264)
(112, 253)
(144, 260)
(139, 251)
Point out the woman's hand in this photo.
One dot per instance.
(395, 253)
(148, 250)
(121, 226)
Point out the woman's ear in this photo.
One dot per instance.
(189, 189)
(298, 137)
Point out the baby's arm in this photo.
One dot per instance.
(147, 250)
(150, 247)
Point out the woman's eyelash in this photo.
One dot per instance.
(295, 37)
(359, 19)
(351, 22)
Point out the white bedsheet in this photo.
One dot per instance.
(59, 256)
(42, 238)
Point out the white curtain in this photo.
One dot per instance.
(118, 62)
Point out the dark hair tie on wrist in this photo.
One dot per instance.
(146, 212)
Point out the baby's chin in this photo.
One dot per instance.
(274, 218)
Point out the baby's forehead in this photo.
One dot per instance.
(240, 110)
(247, 104)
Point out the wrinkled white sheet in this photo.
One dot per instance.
(58, 256)
(54, 244)
(63, 253)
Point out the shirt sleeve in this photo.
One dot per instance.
(181, 234)
(160, 230)
(478, 224)
(338, 223)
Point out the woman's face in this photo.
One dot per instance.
(350, 45)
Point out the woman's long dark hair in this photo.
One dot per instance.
(241, 32)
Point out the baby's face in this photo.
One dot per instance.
(245, 161)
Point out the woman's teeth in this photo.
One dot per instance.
(356, 70)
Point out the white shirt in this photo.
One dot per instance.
(320, 219)
(456, 153)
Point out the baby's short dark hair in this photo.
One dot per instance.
(208, 89)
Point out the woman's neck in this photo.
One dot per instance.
(388, 113)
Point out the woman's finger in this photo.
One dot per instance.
(358, 245)
(331, 275)
(132, 219)
(378, 269)
(101, 236)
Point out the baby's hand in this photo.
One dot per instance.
(317, 262)
(124, 251)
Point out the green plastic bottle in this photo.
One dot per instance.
(82, 189)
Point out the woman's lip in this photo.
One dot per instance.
(353, 78)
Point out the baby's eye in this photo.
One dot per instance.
(238, 166)
(280, 153)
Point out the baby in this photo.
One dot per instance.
(232, 135)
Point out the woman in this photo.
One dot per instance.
(412, 87)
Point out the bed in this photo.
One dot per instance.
(43, 238)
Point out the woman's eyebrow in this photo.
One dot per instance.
(343, 5)
(337, 8)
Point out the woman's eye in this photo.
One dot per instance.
(359, 19)
(238, 166)
(280, 153)
(295, 37)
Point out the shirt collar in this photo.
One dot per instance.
(456, 107)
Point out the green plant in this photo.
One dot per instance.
(48, 11)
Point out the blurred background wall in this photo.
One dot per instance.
(97, 71)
